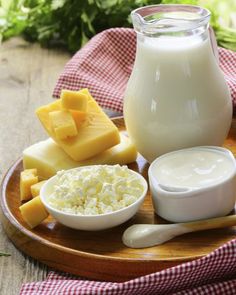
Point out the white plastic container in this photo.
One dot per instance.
(176, 96)
(193, 184)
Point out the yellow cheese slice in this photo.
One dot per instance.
(35, 188)
(79, 117)
(96, 134)
(33, 212)
(63, 124)
(74, 100)
(49, 158)
(28, 177)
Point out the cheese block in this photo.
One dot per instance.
(74, 100)
(49, 158)
(33, 212)
(28, 177)
(63, 124)
(35, 188)
(96, 134)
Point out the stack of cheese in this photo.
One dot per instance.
(81, 134)
(33, 211)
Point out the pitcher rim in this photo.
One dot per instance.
(158, 26)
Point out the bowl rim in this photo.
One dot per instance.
(66, 214)
(191, 191)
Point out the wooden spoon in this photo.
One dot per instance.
(147, 235)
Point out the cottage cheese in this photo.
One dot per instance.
(94, 190)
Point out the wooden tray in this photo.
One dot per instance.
(101, 255)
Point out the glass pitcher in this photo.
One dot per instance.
(176, 96)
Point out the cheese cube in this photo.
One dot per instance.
(74, 100)
(28, 177)
(79, 117)
(95, 135)
(33, 212)
(35, 188)
(63, 124)
(49, 158)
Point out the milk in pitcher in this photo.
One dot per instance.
(176, 96)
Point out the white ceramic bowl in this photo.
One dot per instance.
(178, 204)
(91, 222)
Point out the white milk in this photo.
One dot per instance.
(176, 96)
(194, 168)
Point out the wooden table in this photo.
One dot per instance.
(28, 74)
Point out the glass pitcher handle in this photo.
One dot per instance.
(214, 44)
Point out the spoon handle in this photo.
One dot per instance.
(210, 223)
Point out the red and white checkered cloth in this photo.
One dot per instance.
(214, 274)
(104, 66)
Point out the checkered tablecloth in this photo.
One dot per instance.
(104, 66)
(214, 274)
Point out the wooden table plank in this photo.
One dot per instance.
(28, 74)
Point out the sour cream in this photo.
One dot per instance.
(193, 184)
(193, 168)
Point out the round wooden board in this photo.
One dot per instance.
(101, 255)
